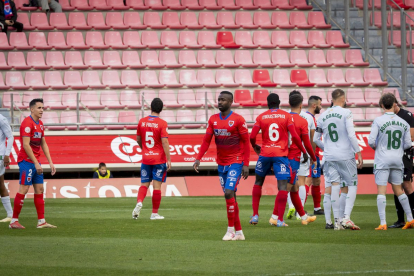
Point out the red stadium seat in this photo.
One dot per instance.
(15, 80)
(132, 40)
(262, 78)
(114, 40)
(261, 58)
(262, 39)
(206, 59)
(244, 19)
(75, 40)
(300, 78)
(335, 57)
(187, 98)
(169, 117)
(188, 40)
(282, 4)
(207, 39)
(17, 100)
(150, 79)
(92, 80)
(247, 115)
(3, 86)
(3, 62)
(4, 43)
(112, 60)
(262, 20)
(147, 94)
(300, 4)
(225, 59)
(372, 75)
(226, 20)
(265, 4)
(53, 79)
(38, 41)
(90, 100)
(210, 5)
(372, 113)
(137, 4)
(81, 5)
(260, 96)
(189, 20)
(74, 60)
(95, 41)
(111, 80)
(202, 95)
(34, 80)
(244, 39)
(153, 20)
(57, 41)
(317, 20)
(206, 78)
(130, 79)
(282, 78)
(73, 80)
(228, 4)
(77, 20)
(281, 40)
(317, 76)
(336, 77)
(358, 114)
(317, 58)
(298, 19)
(155, 4)
(17, 61)
(208, 20)
(354, 57)
(93, 60)
(169, 39)
(131, 20)
(70, 119)
(99, 5)
(53, 100)
(58, 21)
(171, 20)
(117, 4)
(169, 99)
(19, 41)
(244, 59)
(244, 98)
(51, 117)
(150, 59)
(187, 116)
(96, 21)
(372, 96)
(317, 39)
(335, 39)
(150, 39)
(188, 59)
(225, 78)
(39, 21)
(129, 98)
(128, 118)
(299, 58)
(246, 4)
(88, 118)
(131, 60)
(244, 78)
(109, 99)
(54, 59)
(354, 77)
(281, 20)
(109, 117)
(188, 78)
(225, 39)
(169, 79)
(167, 59)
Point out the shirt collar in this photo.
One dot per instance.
(221, 118)
(34, 120)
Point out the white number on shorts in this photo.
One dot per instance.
(273, 133)
(149, 140)
(30, 173)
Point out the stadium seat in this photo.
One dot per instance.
(93, 60)
(133, 41)
(39, 21)
(317, 58)
(354, 77)
(131, 20)
(89, 117)
(109, 99)
(150, 39)
(202, 94)
(4, 43)
(51, 117)
(169, 79)
(130, 79)
(225, 59)
(19, 5)
(188, 40)
(187, 99)
(129, 99)
(372, 113)
(90, 100)
(208, 20)
(171, 20)
(244, 39)
(354, 57)
(169, 39)
(131, 59)
(169, 99)
(28, 96)
(81, 5)
(244, 98)
(150, 79)
(114, 40)
(336, 77)
(372, 96)
(34, 80)
(150, 59)
(56, 40)
(3, 86)
(189, 20)
(335, 39)
(38, 41)
(15, 80)
(117, 5)
(17, 100)
(91, 79)
(226, 20)
(228, 4)
(188, 59)
(17, 61)
(225, 39)
(262, 78)
(299, 58)
(298, 20)
(246, 4)
(282, 78)
(153, 20)
(129, 119)
(281, 40)
(95, 41)
(206, 39)
(260, 96)
(210, 5)
(244, 78)
(224, 77)
(191, 5)
(244, 59)
(112, 60)
(206, 78)
(335, 57)
(167, 59)
(155, 4)
(53, 79)
(73, 80)
(247, 115)
(317, 76)
(300, 4)
(111, 80)
(109, 117)
(244, 19)
(265, 4)
(96, 21)
(281, 20)
(24, 19)
(317, 39)
(206, 59)
(19, 41)
(261, 58)
(58, 21)
(99, 5)
(317, 20)
(186, 116)
(320, 93)
(372, 76)
(262, 40)
(375, 19)
(300, 78)
(52, 100)
(137, 4)
(188, 78)
(74, 60)
(69, 118)
(281, 59)
(170, 118)
(77, 21)
(262, 20)
(358, 114)
(54, 59)
(75, 40)
(3, 62)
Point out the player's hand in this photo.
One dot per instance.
(196, 165)
(360, 161)
(6, 161)
(38, 168)
(314, 164)
(53, 169)
(245, 172)
(305, 158)
(257, 149)
(168, 166)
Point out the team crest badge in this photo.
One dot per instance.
(231, 123)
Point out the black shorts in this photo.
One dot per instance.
(408, 165)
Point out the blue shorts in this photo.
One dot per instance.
(230, 176)
(281, 167)
(315, 172)
(28, 174)
(294, 165)
(153, 172)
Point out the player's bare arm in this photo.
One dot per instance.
(312, 133)
(166, 147)
(245, 169)
(46, 151)
(139, 141)
(204, 147)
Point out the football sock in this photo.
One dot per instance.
(335, 201)
(316, 195)
(156, 201)
(281, 202)
(400, 210)
(350, 201)
(411, 200)
(297, 203)
(239, 232)
(327, 206)
(256, 195)
(406, 206)
(7, 206)
(302, 194)
(230, 203)
(381, 203)
(275, 209)
(289, 201)
(342, 204)
(275, 217)
(40, 206)
(18, 205)
(307, 192)
(237, 224)
(142, 193)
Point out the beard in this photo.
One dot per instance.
(317, 110)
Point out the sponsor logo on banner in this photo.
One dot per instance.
(126, 149)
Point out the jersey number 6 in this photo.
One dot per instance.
(273, 133)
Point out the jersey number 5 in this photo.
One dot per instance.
(149, 141)
(273, 133)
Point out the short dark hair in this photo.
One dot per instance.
(387, 100)
(337, 93)
(157, 105)
(293, 92)
(227, 93)
(102, 164)
(34, 101)
(273, 101)
(313, 99)
(295, 99)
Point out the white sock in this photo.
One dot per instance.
(239, 232)
(275, 217)
(327, 205)
(230, 229)
(7, 205)
(406, 206)
(335, 201)
(381, 203)
(41, 221)
(317, 209)
(342, 203)
(14, 220)
(290, 202)
(350, 201)
(302, 195)
(139, 204)
(305, 217)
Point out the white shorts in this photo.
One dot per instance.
(343, 172)
(2, 168)
(393, 176)
(303, 168)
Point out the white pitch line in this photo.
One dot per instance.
(352, 272)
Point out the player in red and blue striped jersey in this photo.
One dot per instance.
(233, 152)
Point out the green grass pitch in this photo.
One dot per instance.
(99, 237)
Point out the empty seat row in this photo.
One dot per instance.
(407, 4)
(169, 39)
(396, 19)
(187, 58)
(395, 39)
(173, 20)
(190, 78)
(85, 5)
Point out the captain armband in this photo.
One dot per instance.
(318, 129)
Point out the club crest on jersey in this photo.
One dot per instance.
(37, 135)
(221, 132)
(41, 127)
(231, 123)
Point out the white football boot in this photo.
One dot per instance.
(137, 210)
(156, 216)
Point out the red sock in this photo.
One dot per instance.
(40, 206)
(142, 193)
(18, 205)
(316, 195)
(307, 192)
(231, 211)
(156, 201)
(256, 195)
(282, 195)
(275, 209)
(294, 196)
(237, 224)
